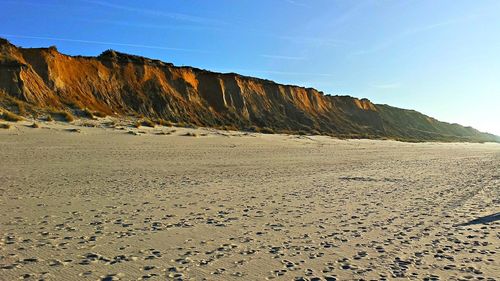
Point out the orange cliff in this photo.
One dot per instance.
(122, 84)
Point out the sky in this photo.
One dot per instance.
(441, 58)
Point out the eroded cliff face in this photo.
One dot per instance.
(122, 84)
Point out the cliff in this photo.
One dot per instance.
(122, 84)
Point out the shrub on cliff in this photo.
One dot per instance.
(68, 117)
(9, 116)
(144, 122)
(62, 115)
(88, 114)
(99, 114)
(148, 123)
(253, 129)
(267, 130)
(164, 122)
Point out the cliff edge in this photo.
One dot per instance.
(123, 84)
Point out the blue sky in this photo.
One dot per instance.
(441, 58)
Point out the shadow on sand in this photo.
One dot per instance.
(482, 220)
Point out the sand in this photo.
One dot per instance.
(110, 204)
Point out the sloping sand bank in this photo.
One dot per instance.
(106, 204)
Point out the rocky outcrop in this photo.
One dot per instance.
(122, 84)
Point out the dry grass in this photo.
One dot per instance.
(4, 126)
(164, 122)
(9, 116)
(267, 130)
(21, 108)
(228, 128)
(315, 133)
(111, 123)
(186, 125)
(145, 122)
(253, 129)
(63, 115)
(148, 123)
(99, 114)
(68, 117)
(162, 133)
(88, 114)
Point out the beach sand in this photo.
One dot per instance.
(83, 203)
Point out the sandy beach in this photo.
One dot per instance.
(83, 203)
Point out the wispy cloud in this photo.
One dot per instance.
(387, 86)
(350, 13)
(148, 26)
(408, 33)
(104, 43)
(282, 57)
(170, 15)
(317, 41)
(432, 26)
(291, 73)
(39, 4)
(343, 18)
(374, 49)
(297, 3)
